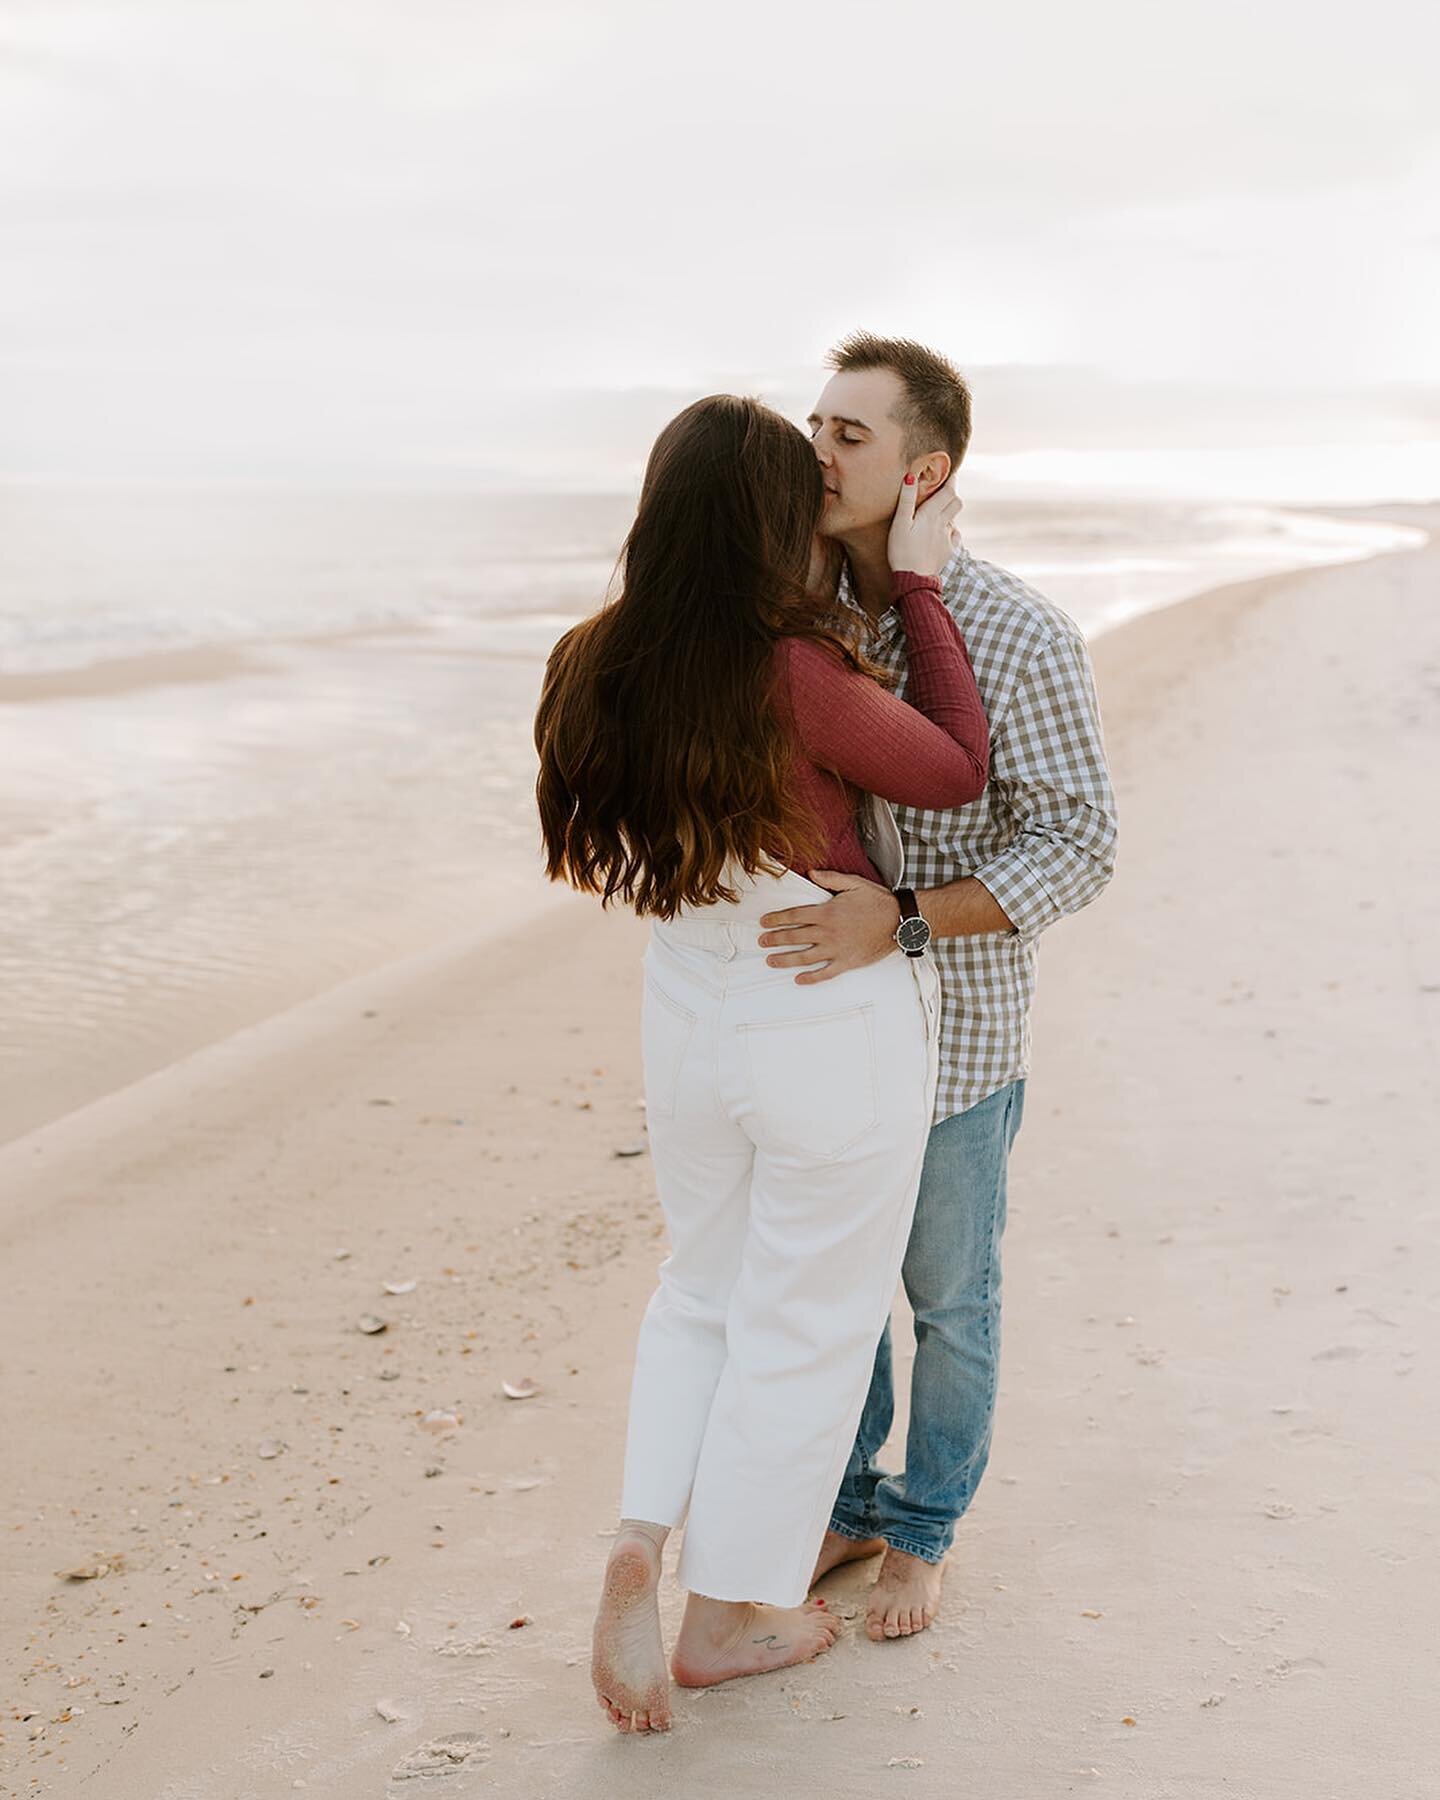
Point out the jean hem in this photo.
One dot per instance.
(855, 1534)
(908, 1547)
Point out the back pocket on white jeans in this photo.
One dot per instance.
(816, 1090)
(665, 1037)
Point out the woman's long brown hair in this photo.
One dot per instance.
(663, 759)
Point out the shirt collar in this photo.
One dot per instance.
(885, 632)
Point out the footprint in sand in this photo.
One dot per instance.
(453, 1754)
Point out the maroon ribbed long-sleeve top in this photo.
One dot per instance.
(930, 749)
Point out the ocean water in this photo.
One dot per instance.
(88, 576)
(350, 780)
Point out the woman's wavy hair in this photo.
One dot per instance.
(663, 759)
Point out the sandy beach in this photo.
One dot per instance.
(314, 1557)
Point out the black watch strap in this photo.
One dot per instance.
(913, 932)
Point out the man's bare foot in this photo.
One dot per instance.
(720, 1640)
(837, 1548)
(627, 1664)
(905, 1597)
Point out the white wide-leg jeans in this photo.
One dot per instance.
(787, 1125)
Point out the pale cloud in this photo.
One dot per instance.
(277, 226)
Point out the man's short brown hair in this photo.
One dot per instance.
(935, 410)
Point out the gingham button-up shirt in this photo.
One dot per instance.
(1041, 837)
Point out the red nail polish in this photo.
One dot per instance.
(909, 481)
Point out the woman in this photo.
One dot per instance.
(704, 739)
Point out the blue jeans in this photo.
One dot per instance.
(952, 1278)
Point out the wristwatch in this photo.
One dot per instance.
(912, 934)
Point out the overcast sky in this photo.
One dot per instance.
(312, 234)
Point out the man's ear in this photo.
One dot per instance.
(932, 474)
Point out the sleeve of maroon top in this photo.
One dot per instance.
(932, 749)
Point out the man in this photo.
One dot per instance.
(989, 878)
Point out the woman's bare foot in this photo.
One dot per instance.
(837, 1548)
(627, 1664)
(720, 1639)
(905, 1597)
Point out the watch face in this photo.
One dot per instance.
(914, 934)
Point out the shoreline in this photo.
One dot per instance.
(218, 659)
(112, 676)
(1205, 1547)
(305, 1025)
(274, 995)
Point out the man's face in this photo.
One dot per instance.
(860, 447)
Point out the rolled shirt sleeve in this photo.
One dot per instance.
(1047, 767)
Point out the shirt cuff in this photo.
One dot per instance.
(1020, 891)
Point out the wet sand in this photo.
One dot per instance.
(1203, 1561)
